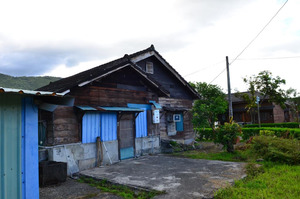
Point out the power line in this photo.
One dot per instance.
(218, 75)
(267, 58)
(250, 41)
(259, 33)
(204, 68)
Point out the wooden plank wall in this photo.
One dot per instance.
(66, 126)
(101, 96)
(188, 132)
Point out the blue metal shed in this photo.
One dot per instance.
(19, 176)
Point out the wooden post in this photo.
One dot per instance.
(98, 148)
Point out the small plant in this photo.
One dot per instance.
(252, 170)
(267, 133)
(227, 135)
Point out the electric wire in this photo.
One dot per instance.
(218, 75)
(259, 32)
(204, 68)
(251, 41)
(267, 58)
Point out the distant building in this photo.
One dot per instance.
(269, 112)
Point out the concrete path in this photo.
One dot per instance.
(179, 177)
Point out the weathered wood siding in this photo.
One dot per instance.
(188, 132)
(65, 126)
(166, 79)
(101, 96)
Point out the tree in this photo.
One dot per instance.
(293, 98)
(266, 86)
(212, 102)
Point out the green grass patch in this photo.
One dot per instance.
(279, 181)
(237, 156)
(120, 190)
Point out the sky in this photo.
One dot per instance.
(63, 37)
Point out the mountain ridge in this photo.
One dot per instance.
(25, 82)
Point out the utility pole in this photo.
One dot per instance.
(229, 92)
(258, 114)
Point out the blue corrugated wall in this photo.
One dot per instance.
(141, 124)
(10, 146)
(30, 161)
(90, 127)
(108, 126)
(141, 120)
(18, 148)
(95, 123)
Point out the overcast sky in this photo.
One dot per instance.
(63, 37)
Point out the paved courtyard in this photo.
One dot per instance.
(179, 177)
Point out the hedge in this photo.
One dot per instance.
(278, 132)
(207, 133)
(274, 125)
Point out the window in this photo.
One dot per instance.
(149, 67)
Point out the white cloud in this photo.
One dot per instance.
(62, 38)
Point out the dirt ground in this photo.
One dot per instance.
(71, 189)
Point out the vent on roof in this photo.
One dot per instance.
(149, 67)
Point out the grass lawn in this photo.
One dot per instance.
(279, 181)
(271, 180)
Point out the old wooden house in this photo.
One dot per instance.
(131, 103)
(269, 111)
(19, 162)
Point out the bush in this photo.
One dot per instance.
(249, 132)
(227, 135)
(279, 125)
(253, 170)
(267, 132)
(278, 132)
(277, 149)
(204, 133)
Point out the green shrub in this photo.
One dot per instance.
(204, 133)
(253, 170)
(277, 149)
(249, 132)
(279, 125)
(267, 132)
(227, 135)
(278, 132)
